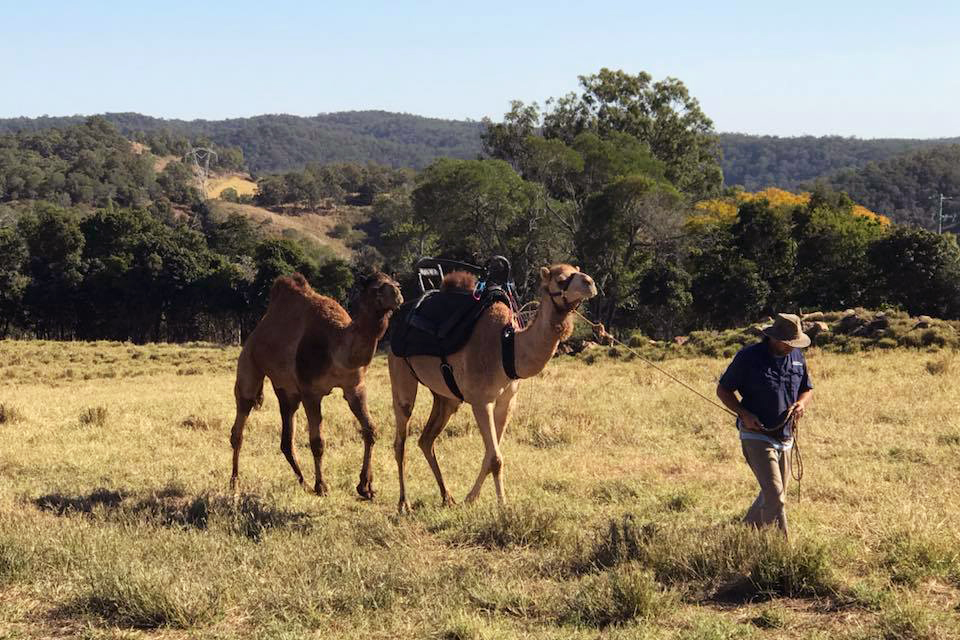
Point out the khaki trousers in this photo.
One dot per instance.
(772, 470)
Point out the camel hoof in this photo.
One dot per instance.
(403, 507)
(366, 491)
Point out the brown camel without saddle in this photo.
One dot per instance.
(307, 344)
(479, 372)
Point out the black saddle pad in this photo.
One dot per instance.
(439, 322)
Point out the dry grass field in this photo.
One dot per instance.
(116, 520)
(313, 226)
(243, 185)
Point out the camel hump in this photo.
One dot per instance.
(459, 280)
(295, 283)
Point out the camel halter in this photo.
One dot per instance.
(562, 294)
(796, 459)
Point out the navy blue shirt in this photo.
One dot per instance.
(768, 384)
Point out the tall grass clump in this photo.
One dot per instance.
(910, 559)
(93, 417)
(524, 525)
(617, 596)
(141, 597)
(942, 365)
(14, 560)
(9, 414)
(731, 562)
(905, 621)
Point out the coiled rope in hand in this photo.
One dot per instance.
(796, 459)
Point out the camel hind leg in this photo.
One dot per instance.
(492, 460)
(289, 403)
(403, 386)
(248, 393)
(440, 414)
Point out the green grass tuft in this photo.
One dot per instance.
(617, 596)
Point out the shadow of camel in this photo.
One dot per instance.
(247, 515)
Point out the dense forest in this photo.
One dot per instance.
(281, 143)
(278, 143)
(907, 187)
(621, 178)
(757, 162)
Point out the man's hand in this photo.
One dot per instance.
(798, 408)
(750, 421)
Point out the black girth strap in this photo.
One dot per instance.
(447, 372)
(508, 355)
(508, 352)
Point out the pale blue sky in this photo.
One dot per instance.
(869, 69)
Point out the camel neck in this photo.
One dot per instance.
(536, 344)
(361, 336)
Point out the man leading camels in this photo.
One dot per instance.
(481, 374)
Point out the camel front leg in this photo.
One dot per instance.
(492, 460)
(357, 400)
(315, 429)
(504, 409)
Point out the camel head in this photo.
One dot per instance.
(567, 286)
(381, 293)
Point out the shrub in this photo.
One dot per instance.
(941, 365)
(340, 230)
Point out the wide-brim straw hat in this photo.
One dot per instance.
(787, 328)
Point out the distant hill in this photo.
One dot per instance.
(757, 162)
(274, 143)
(906, 187)
(277, 143)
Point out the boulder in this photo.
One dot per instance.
(851, 322)
(814, 329)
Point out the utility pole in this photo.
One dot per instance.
(940, 212)
(201, 167)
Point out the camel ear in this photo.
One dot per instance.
(544, 274)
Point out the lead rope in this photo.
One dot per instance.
(796, 459)
(598, 327)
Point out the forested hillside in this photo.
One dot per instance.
(272, 143)
(102, 236)
(277, 143)
(907, 187)
(757, 162)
